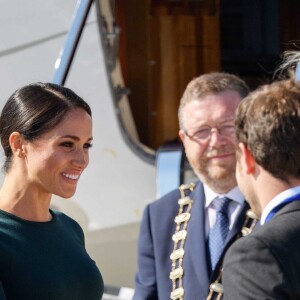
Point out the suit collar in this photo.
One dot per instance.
(278, 202)
(288, 207)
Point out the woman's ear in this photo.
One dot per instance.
(246, 159)
(16, 142)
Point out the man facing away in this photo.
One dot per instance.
(266, 264)
(185, 224)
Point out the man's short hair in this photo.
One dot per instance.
(268, 123)
(211, 83)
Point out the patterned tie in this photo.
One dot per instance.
(218, 233)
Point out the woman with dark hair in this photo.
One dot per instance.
(46, 133)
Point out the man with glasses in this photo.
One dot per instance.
(183, 234)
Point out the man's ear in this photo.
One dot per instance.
(16, 142)
(181, 135)
(247, 159)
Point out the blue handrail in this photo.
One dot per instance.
(64, 61)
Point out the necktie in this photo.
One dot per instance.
(219, 231)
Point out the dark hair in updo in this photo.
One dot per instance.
(35, 109)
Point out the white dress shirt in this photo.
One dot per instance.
(234, 207)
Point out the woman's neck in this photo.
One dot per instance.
(24, 201)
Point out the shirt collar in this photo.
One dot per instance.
(234, 194)
(277, 200)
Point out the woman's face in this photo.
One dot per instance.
(55, 161)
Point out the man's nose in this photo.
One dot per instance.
(215, 137)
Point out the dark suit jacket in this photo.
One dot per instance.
(155, 246)
(266, 264)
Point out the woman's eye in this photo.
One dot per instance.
(67, 144)
(87, 146)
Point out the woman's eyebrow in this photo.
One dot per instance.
(76, 138)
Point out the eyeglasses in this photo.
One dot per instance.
(206, 132)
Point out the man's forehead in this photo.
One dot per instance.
(213, 102)
(221, 94)
(215, 112)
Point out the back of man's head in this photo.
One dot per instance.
(268, 123)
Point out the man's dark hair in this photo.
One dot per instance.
(268, 123)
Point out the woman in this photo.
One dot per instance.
(46, 133)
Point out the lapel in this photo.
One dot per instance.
(237, 226)
(195, 247)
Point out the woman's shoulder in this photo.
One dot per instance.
(65, 219)
(68, 224)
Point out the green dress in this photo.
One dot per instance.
(46, 260)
